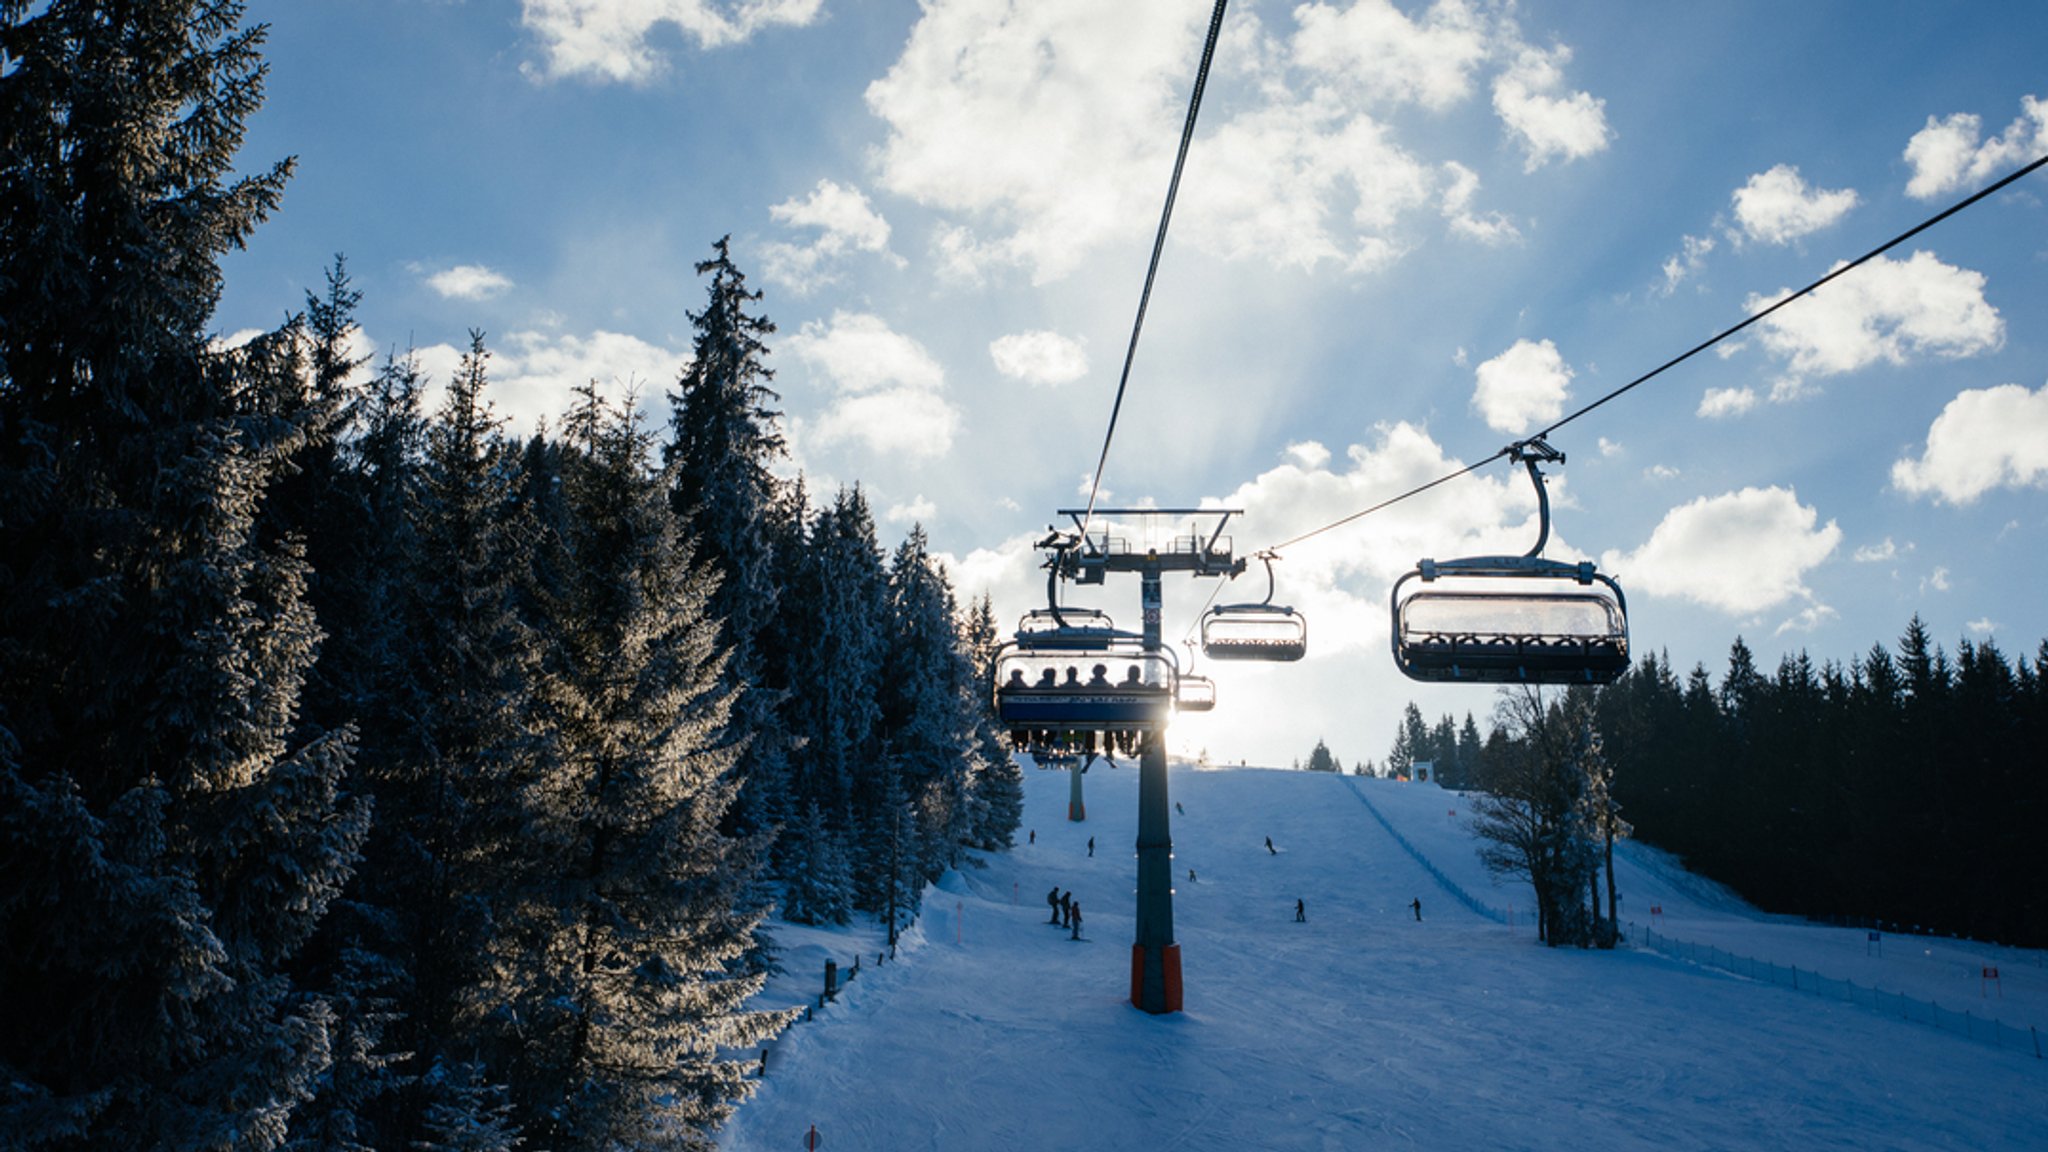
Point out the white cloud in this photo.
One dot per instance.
(859, 352)
(1937, 580)
(1776, 207)
(1786, 389)
(1045, 130)
(1985, 438)
(1687, 262)
(1876, 553)
(1043, 120)
(1275, 178)
(1522, 387)
(1982, 626)
(1660, 472)
(469, 282)
(1610, 448)
(846, 222)
(1307, 454)
(533, 375)
(1487, 228)
(1039, 357)
(1376, 49)
(919, 510)
(1890, 310)
(909, 422)
(891, 391)
(1549, 123)
(1808, 619)
(238, 338)
(1741, 552)
(1477, 515)
(1721, 402)
(1946, 154)
(608, 39)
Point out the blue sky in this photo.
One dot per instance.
(1408, 234)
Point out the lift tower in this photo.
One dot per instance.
(1092, 556)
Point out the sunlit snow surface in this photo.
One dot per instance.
(1363, 1028)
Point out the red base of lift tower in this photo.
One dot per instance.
(1169, 958)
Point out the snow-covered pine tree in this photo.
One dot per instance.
(818, 887)
(455, 738)
(836, 617)
(1443, 747)
(469, 1113)
(928, 709)
(1411, 742)
(614, 990)
(1320, 760)
(1471, 751)
(723, 440)
(998, 784)
(169, 833)
(363, 959)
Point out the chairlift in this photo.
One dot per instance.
(1512, 619)
(1193, 693)
(1263, 631)
(1067, 674)
(1100, 681)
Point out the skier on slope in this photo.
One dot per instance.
(1300, 912)
(1066, 907)
(1417, 905)
(1053, 898)
(1270, 848)
(1076, 912)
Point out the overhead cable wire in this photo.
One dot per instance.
(1187, 136)
(1851, 266)
(1695, 350)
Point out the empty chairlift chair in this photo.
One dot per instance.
(1263, 631)
(1511, 619)
(1194, 694)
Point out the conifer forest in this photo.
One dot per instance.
(1901, 789)
(372, 777)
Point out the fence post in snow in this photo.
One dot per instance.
(831, 981)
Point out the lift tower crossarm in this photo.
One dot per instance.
(1200, 558)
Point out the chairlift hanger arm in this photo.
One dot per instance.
(1529, 453)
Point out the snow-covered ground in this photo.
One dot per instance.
(1364, 1028)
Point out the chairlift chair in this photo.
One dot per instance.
(1070, 679)
(1511, 619)
(1263, 631)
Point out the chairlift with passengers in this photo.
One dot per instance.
(1069, 673)
(1262, 631)
(1512, 619)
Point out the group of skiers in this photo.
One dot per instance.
(1066, 911)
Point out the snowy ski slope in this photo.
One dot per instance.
(1363, 1028)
